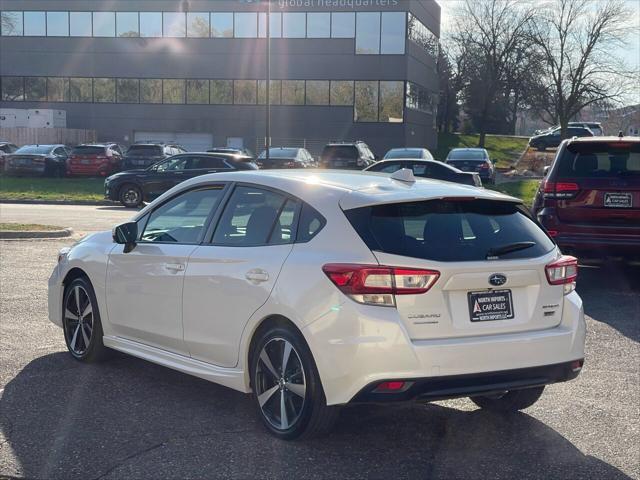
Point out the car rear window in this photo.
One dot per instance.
(340, 151)
(466, 155)
(88, 150)
(599, 160)
(146, 150)
(35, 149)
(450, 230)
(280, 153)
(404, 153)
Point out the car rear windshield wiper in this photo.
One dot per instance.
(511, 247)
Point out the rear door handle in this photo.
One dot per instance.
(257, 276)
(174, 267)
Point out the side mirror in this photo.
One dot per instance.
(545, 170)
(126, 234)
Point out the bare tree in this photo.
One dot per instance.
(578, 41)
(488, 34)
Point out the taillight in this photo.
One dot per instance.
(560, 190)
(378, 285)
(563, 271)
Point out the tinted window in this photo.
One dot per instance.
(275, 27)
(245, 92)
(150, 91)
(280, 153)
(341, 92)
(368, 32)
(128, 90)
(245, 25)
(11, 23)
(318, 25)
(317, 92)
(293, 25)
(173, 164)
(198, 91)
(173, 91)
(104, 90)
(81, 90)
(391, 102)
(150, 24)
(12, 89)
(221, 91)
(388, 167)
(127, 24)
(340, 151)
(404, 153)
(80, 24)
(145, 150)
(311, 222)
(35, 24)
(87, 150)
(343, 25)
(222, 25)
(600, 160)
(466, 155)
(208, 162)
(58, 24)
(181, 220)
(174, 24)
(58, 89)
(449, 231)
(35, 88)
(104, 24)
(366, 101)
(293, 92)
(198, 25)
(249, 219)
(35, 149)
(393, 32)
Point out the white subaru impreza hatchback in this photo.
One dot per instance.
(314, 289)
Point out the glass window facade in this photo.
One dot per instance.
(423, 37)
(150, 24)
(11, 24)
(341, 92)
(104, 24)
(393, 33)
(245, 25)
(275, 27)
(174, 24)
(275, 91)
(35, 24)
(391, 107)
(368, 33)
(292, 92)
(127, 24)
(366, 101)
(317, 92)
(319, 25)
(294, 25)
(150, 91)
(57, 24)
(420, 98)
(343, 24)
(221, 25)
(81, 90)
(245, 92)
(198, 92)
(198, 25)
(57, 89)
(80, 24)
(173, 91)
(104, 90)
(128, 90)
(35, 89)
(221, 92)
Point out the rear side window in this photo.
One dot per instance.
(145, 150)
(88, 150)
(340, 151)
(450, 231)
(311, 222)
(599, 160)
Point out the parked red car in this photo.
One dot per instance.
(589, 200)
(95, 159)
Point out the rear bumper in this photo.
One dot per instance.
(440, 388)
(90, 170)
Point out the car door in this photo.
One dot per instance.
(144, 286)
(230, 278)
(166, 175)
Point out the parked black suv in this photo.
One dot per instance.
(144, 154)
(351, 156)
(133, 187)
(551, 138)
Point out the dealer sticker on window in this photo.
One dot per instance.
(618, 200)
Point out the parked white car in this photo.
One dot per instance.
(314, 289)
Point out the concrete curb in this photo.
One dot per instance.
(103, 203)
(12, 234)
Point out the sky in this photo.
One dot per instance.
(631, 54)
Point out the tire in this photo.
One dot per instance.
(306, 414)
(81, 322)
(511, 401)
(130, 195)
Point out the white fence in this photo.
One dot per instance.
(43, 136)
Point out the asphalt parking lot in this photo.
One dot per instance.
(128, 418)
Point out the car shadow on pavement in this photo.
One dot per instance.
(610, 292)
(127, 418)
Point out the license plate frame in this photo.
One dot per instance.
(618, 200)
(498, 303)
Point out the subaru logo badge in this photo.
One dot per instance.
(497, 279)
